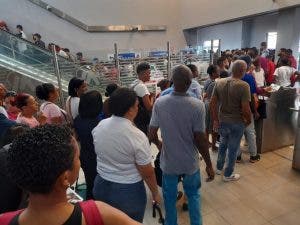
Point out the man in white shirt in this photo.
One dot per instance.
(195, 86)
(146, 99)
(20, 33)
(264, 49)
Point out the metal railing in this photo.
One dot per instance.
(46, 66)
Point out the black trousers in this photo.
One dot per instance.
(89, 167)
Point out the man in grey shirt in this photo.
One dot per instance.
(181, 119)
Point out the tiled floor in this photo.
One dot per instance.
(268, 193)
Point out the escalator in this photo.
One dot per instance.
(24, 65)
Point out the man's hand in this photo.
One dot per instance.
(159, 145)
(153, 97)
(210, 173)
(247, 122)
(216, 125)
(256, 115)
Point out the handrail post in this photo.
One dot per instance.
(58, 75)
(117, 63)
(211, 55)
(219, 47)
(169, 60)
(181, 57)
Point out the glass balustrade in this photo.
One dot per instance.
(18, 54)
(38, 63)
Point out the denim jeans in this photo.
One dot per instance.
(129, 198)
(191, 186)
(231, 135)
(250, 136)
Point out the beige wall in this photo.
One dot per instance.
(99, 12)
(128, 12)
(176, 14)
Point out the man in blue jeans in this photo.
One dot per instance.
(250, 133)
(181, 119)
(231, 117)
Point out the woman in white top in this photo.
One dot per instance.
(258, 73)
(284, 73)
(49, 93)
(123, 158)
(75, 89)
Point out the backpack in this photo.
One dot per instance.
(89, 209)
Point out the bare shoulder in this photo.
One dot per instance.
(113, 216)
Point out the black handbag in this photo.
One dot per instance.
(156, 207)
(262, 109)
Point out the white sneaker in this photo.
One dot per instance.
(218, 172)
(233, 177)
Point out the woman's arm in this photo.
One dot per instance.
(56, 120)
(148, 175)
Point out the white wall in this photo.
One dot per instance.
(229, 33)
(288, 29)
(197, 13)
(251, 32)
(98, 12)
(260, 26)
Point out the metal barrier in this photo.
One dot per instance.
(43, 65)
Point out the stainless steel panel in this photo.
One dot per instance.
(126, 28)
(296, 156)
(279, 129)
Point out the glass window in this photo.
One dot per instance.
(216, 43)
(271, 40)
(207, 44)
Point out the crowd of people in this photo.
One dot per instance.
(37, 40)
(40, 156)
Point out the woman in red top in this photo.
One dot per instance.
(271, 70)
